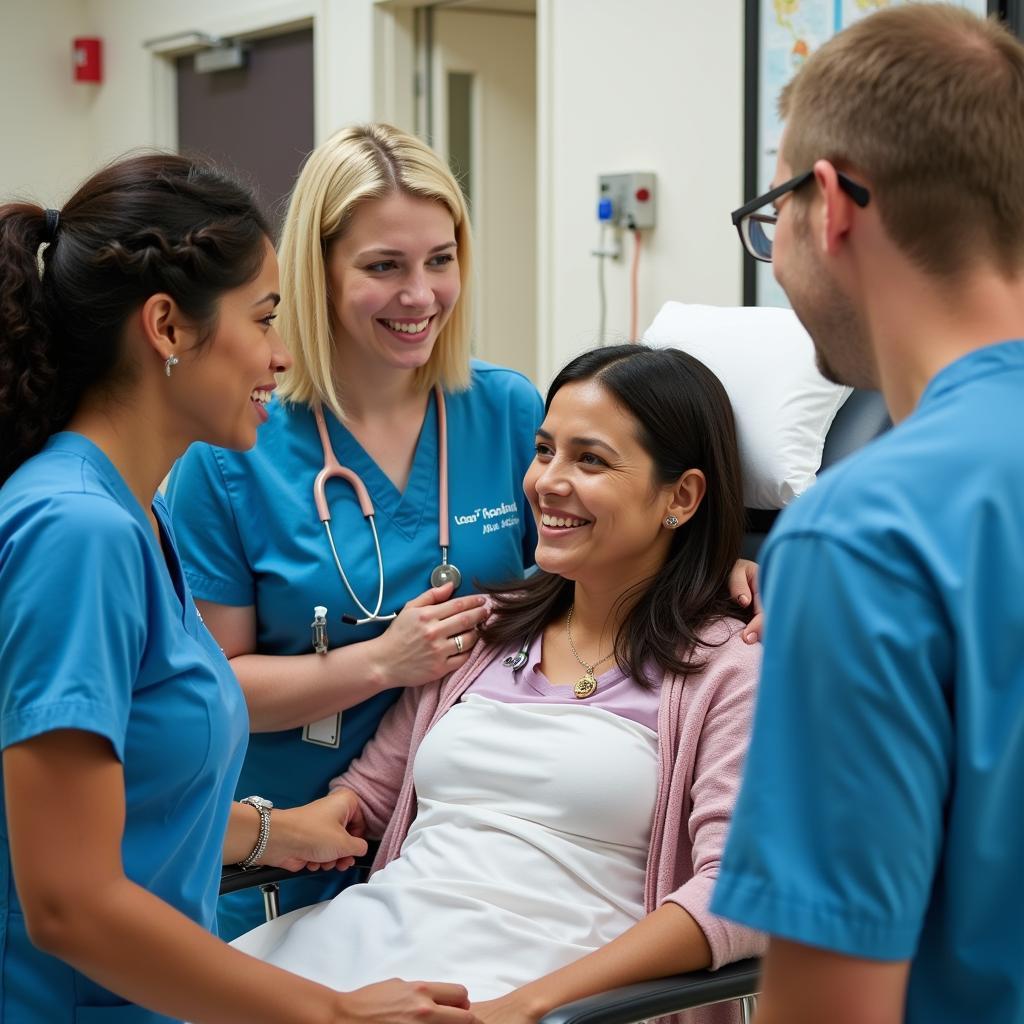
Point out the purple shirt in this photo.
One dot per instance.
(616, 692)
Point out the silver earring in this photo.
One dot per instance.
(172, 361)
(671, 522)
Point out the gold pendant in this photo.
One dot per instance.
(584, 687)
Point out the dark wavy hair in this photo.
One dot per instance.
(149, 223)
(683, 421)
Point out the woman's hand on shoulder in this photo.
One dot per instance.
(743, 588)
(432, 636)
(324, 834)
(406, 1002)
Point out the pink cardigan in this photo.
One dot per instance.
(703, 728)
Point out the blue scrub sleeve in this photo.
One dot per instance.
(206, 530)
(72, 619)
(838, 830)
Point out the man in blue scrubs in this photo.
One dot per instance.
(878, 836)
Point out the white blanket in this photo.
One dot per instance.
(529, 850)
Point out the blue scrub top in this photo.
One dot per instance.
(880, 813)
(250, 535)
(98, 632)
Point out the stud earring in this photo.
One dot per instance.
(671, 522)
(171, 362)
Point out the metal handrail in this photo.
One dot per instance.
(663, 996)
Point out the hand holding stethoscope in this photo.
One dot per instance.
(430, 637)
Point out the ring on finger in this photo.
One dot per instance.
(458, 644)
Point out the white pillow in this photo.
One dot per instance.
(782, 404)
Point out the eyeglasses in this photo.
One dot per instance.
(757, 228)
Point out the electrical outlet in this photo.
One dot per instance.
(627, 200)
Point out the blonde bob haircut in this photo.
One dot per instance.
(358, 164)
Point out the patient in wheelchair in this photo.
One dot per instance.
(552, 814)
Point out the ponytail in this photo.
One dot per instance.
(154, 223)
(30, 399)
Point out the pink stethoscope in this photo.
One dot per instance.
(443, 573)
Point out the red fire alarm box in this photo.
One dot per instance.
(88, 54)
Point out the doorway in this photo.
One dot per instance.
(479, 60)
(256, 120)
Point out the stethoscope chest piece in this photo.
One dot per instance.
(446, 573)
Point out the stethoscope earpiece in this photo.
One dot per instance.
(351, 620)
(518, 660)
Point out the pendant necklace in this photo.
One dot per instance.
(586, 684)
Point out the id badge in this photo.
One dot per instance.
(324, 733)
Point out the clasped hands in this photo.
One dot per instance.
(323, 835)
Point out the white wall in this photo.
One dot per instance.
(637, 85)
(56, 131)
(44, 114)
(136, 103)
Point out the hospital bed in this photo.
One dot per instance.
(861, 418)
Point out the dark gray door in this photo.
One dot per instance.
(256, 121)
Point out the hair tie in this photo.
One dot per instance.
(52, 220)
